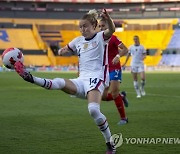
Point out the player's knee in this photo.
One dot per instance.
(58, 83)
(99, 121)
(94, 109)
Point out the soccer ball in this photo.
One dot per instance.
(10, 56)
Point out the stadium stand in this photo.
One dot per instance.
(174, 42)
(69, 35)
(151, 39)
(70, 9)
(43, 36)
(55, 24)
(170, 60)
(34, 60)
(20, 38)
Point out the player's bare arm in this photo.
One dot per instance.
(63, 50)
(111, 27)
(122, 52)
(127, 58)
(144, 56)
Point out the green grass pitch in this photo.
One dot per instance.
(38, 121)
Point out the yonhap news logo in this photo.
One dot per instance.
(117, 140)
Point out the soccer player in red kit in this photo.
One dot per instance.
(116, 49)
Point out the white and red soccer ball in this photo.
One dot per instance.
(10, 56)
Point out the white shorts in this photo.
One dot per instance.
(85, 85)
(137, 69)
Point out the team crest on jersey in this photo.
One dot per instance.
(85, 46)
(94, 44)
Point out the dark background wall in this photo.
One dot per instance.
(75, 11)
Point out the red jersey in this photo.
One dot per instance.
(112, 52)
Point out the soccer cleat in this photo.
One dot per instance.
(123, 121)
(110, 148)
(143, 93)
(125, 100)
(138, 96)
(138, 93)
(20, 69)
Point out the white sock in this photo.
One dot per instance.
(57, 83)
(136, 87)
(100, 120)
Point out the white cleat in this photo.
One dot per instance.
(143, 93)
(123, 122)
(138, 96)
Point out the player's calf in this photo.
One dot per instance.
(55, 84)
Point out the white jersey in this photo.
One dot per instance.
(92, 55)
(137, 53)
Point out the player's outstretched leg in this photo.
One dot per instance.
(57, 83)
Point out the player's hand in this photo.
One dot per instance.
(61, 51)
(144, 57)
(115, 60)
(123, 68)
(105, 14)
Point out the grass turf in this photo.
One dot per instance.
(38, 121)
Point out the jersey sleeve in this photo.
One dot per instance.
(116, 41)
(144, 50)
(129, 50)
(72, 45)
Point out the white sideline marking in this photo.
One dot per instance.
(37, 87)
(21, 88)
(158, 95)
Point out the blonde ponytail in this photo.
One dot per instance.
(92, 17)
(93, 13)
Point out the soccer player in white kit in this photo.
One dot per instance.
(138, 53)
(91, 48)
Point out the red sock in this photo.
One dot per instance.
(109, 97)
(120, 106)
